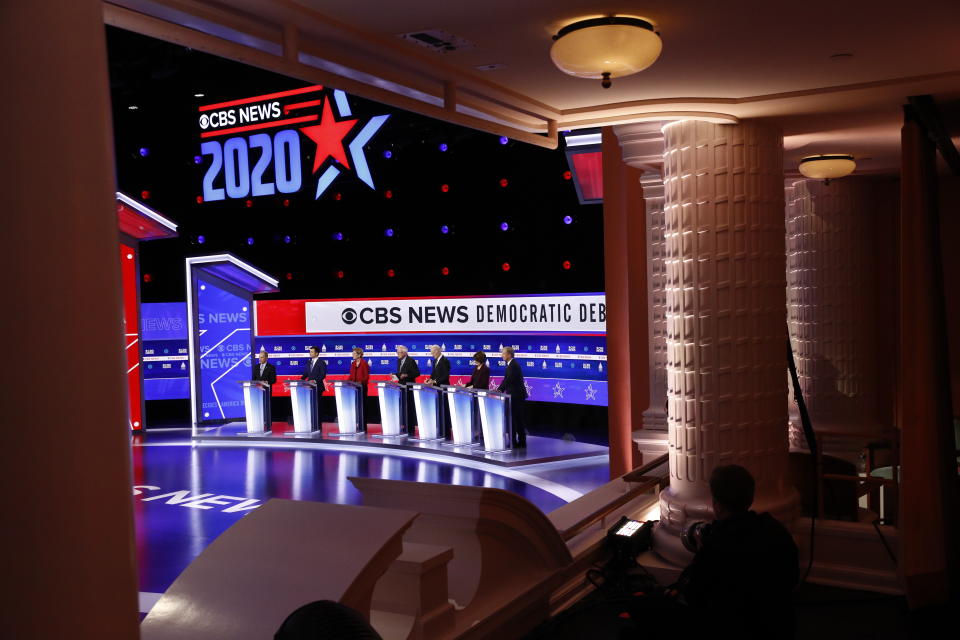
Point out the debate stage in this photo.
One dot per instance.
(188, 490)
(539, 450)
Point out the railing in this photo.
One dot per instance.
(866, 484)
(644, 484)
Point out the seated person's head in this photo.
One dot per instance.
(328, 620)
(732, 488)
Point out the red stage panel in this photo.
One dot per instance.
(280, 317)
(140, 222)
(131, 323)
(588, 169)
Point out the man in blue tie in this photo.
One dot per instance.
(513, 384)
(316, 369)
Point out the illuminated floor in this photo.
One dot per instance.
(185, 495)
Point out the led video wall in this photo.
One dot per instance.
(559, 340)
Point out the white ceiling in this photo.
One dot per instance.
(711, 48)
(749, 58)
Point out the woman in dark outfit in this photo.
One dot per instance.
(479, 379)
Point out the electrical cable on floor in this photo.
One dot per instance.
(811, 444)
(883, 539)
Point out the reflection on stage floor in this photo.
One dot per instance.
(539, 450)
(186, 493)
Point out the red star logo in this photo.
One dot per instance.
(329, 136)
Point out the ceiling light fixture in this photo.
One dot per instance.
(827, 167)
(607, 47)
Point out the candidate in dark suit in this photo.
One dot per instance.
(265, 371)
(440, 376)
(513, 384)
(316, 369)
(480, 378)
(407, 373)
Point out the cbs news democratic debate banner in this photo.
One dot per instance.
(559, 340)
(583, 313)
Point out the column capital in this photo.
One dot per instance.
(641, 145)
(652, 183)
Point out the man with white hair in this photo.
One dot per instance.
(266, 372)
(407, 369)
(407, 373)
(440, 376)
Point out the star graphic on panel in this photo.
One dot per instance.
(591, 392)
(558, 390)
(328, 135)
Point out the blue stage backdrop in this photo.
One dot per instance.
(163, 329)
(559, 366)
(224, 345)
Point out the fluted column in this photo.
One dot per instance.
(655, 417)
(831, 302)
(642, 147)
(725, 318)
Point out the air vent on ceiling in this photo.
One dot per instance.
(438, 40)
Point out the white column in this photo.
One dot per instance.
(655, 417)
(69, 557)
(831, 302)
(642, 147)
(726, 324)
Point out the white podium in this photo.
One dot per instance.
(428, 401)
(303, 397)
(393, 409)
(495, 420)
(349, 397)
(256, 403)
(462, 402)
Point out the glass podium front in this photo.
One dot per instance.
(303, 398)
(393, 409)
(495, 420)
(349, 396)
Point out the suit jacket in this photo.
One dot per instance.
(269, 373)
(359, 372)
(317, 373)
(410, 368)
(441, 371)
(513, 381)
(480, 379)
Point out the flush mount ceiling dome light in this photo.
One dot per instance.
(608, 47)
(827, 167)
